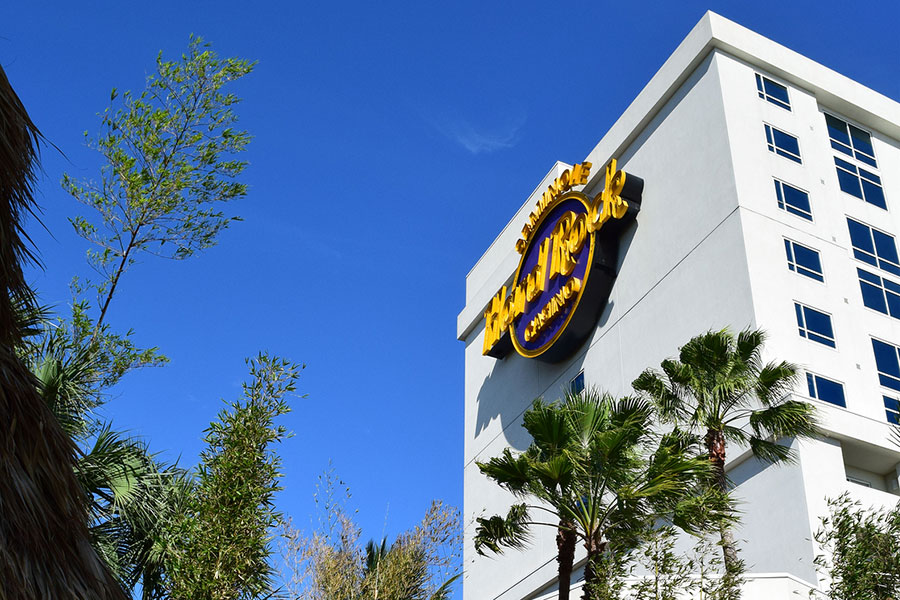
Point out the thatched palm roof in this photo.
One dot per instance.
(44, 547)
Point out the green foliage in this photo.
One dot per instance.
(330, 564)
(168, 165)
(712, 580)
(135, 500)
(132, 496)
(861, 551)
(611, 567)
(222, 544)
(596, 465)
(669, 572)
(720, 383)
(170, 162)
(720, 389)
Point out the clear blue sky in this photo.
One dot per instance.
(392, 142)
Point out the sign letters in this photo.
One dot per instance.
(569, 249)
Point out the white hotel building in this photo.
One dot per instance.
(772, 200)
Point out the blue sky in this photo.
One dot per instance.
(392, 142)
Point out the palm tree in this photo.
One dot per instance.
(401, 571)
(720, 389)
(132, 496)
(544, 471)
(597, 467)
(44, 540)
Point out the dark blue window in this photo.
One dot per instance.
(803, 260)
(888, 364)
(775, 93)
(850, 140)
(875, 247)
(825, 389)
(576, 386)
(793, 200)
(892, 410)
(860, 183)
(880, 294)
(814, 325)
(783, 144)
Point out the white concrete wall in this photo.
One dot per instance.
(682, 271)
(706, 252)
(775, 289)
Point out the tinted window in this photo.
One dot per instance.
(803, 260)
(782, 144)
(888, 367)
(814, 325)
(825, 389)
(793, 200)
(773, 92)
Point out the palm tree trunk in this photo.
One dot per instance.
(565, 546)
(45, 549)
(715, 447)
(594, 574)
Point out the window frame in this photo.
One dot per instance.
(812, 389)
(763, 92)
(852, 154)
(885, 374)
(796, 267)
(778, 150)
(885, 291)
(888, 411)
(572, 381)
(803, 328)
(782, 204)
(860, 179)
(876, 256)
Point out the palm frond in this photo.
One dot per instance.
(771, 452)
(548, 428)
(132, 499)
(791, 418)
(586, 413)
(511, 472)
(555, 474)
(443, 592)
(704, 510)
(66, 378)
(774, 381)
(497, 533)
(735, 435)
(895, 434)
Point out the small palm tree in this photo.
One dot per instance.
(720, 389)
(599, 469)
(545, 472)
(131, 496)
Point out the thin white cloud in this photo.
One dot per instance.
(480, 140)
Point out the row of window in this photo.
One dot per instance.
(887, 361)
(852, 179)
(844, 137)
(878, 293)
(816, 326)
(869, 245)
(847, 139)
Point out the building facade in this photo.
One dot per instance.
(771, 199)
